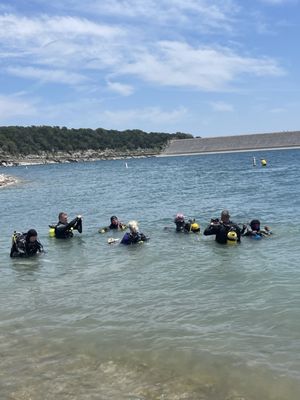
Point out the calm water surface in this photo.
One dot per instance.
(179, 317)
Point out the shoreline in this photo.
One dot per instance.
(63, 158)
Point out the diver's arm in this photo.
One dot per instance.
(144, 238)
(266, 231)
(40, 247)
(72, 223)
(238, 232)
(211, 229)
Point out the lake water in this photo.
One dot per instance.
(179, 317)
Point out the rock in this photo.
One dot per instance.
(7, 180)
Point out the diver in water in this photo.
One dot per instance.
(253, 230)
(222, 227)
(186, 227)
(64, 229)
(25, 244)
(133, 236)
(179, 222)
(115, 224)
(192, 226)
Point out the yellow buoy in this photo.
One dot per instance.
(263, 162)
(52, 232)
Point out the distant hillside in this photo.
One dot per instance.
(18, 140)
(233, 143)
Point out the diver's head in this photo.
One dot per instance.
(225, 216)
(179, 217)
(114, 220)
(255, 225)
(63, 217)
(31, 236)
(133, 226)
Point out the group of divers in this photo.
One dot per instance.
(226, 232)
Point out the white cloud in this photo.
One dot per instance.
(72, 50)
(221, 106)
(58, 41)
(45, 75)
(14, 107)
(202, 68)
(215, 14)
(53, 27)
(121, 88)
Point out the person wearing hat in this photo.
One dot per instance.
(221, 227)
(180, 222)
(25, 244)
(133, 236)
(186, 227)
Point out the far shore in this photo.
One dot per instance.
(11, 161)
(62, 158)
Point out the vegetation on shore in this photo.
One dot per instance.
(21, 141)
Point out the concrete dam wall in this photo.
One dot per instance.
(275, 140)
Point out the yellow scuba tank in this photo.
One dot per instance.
(195, 227)
(232, 237)
(52, 232)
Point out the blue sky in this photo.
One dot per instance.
(205, 67)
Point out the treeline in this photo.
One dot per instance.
(16, 140)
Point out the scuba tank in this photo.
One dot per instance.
(195, 227)
(52, 230)
(232, 237)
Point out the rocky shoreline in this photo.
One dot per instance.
(7, 160)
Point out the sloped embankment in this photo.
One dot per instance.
(234, 143)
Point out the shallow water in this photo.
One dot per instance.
(179, 317)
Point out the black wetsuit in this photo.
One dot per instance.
(23, 248)
(118, 226)
(221, 229)
(64, 231)
(182, 226)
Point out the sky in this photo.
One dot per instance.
(204, 67)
